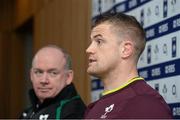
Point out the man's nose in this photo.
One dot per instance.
(45, 78)
(90, 49)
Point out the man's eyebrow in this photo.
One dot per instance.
(95, 36)
(98, 35)
(37, 69)
(52, 69)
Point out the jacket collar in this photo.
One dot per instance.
(66, 93)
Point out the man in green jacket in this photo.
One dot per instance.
(53, 95)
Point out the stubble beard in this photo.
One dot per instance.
(94, 72)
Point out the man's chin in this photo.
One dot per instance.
(90, 72)
(93, 73)
(44, 96)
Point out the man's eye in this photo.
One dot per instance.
(99, 41)
(53, 73)
(38, 72)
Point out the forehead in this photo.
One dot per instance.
(49, 57)
(105, 30)
(101, 28)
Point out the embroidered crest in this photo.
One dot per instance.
(107, 110)
(43, 117)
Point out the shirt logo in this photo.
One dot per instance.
(107, 110)
(43, 117)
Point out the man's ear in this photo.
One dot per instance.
(127, 48)
(70, 76)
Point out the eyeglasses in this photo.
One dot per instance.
(51, 73)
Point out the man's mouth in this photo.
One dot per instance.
(92, 60)
(44, 89)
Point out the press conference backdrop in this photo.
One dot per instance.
(160, 62)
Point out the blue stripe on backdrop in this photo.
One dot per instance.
(129, 5)
(167, 69)
(162, 28)
(125, 6)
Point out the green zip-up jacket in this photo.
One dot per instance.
(66, 105)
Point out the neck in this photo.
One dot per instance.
(119, 77)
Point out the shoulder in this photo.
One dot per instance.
(147, 106)
(146, 102)
(75, 102)
(145, 95)
(73, 108)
